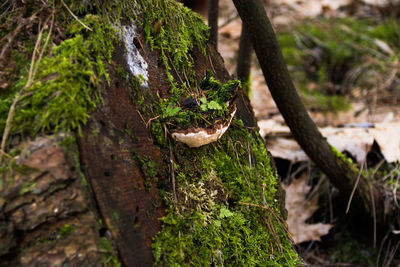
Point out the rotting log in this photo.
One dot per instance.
(159, 202)
(113, 139)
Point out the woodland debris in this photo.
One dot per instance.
(355, 140)
(300, 208)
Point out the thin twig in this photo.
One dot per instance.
(229, 20)
(376, 168)
(144, 122)
(212, 66)
(171, 156)
(31, 75)
(392, 254)
(354, 188)
(173, 66)
(148, 123)
(75, 17)
(381, 248)
(268, 209)
(244, 175)
(186, 78)
(5, 154)
(373, 212)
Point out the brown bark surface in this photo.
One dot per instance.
(244, 57)
(46, 215)
(213, 11)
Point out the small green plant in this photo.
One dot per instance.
(66, 229)
(212, 105)
(201, 109)
(109, 253)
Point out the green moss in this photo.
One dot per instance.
(109, 253)
(214, 219)
(66, 229)
(158, 134)
(174, 31)
(148, 168)
(64, 91)
(345, 159)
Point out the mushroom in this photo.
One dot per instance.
(196, 136)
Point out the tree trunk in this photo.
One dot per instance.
(340, 172)
(152, 200)
(244, 59)
(213, 11)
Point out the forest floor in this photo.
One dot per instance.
(359, 116)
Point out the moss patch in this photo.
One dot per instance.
(226, 210)
(64, 91)
(174, 30)
(109, 254)
(223, 207)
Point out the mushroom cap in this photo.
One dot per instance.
(196, 136)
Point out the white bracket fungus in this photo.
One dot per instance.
(195, 137)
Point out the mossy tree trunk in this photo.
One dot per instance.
(160, 201)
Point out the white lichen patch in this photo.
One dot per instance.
(201, 136)
(137, 65)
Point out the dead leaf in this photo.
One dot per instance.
(356, 140)
(300, 209)
(386, 135)
(286, 149)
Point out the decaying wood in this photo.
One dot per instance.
(130, 209)
(46, 209)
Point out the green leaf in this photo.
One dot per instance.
(171, 111)
(225, 213)
(214, 105)
(203, 107)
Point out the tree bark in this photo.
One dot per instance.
(244, 59)
(284, 93)
(213, 10)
